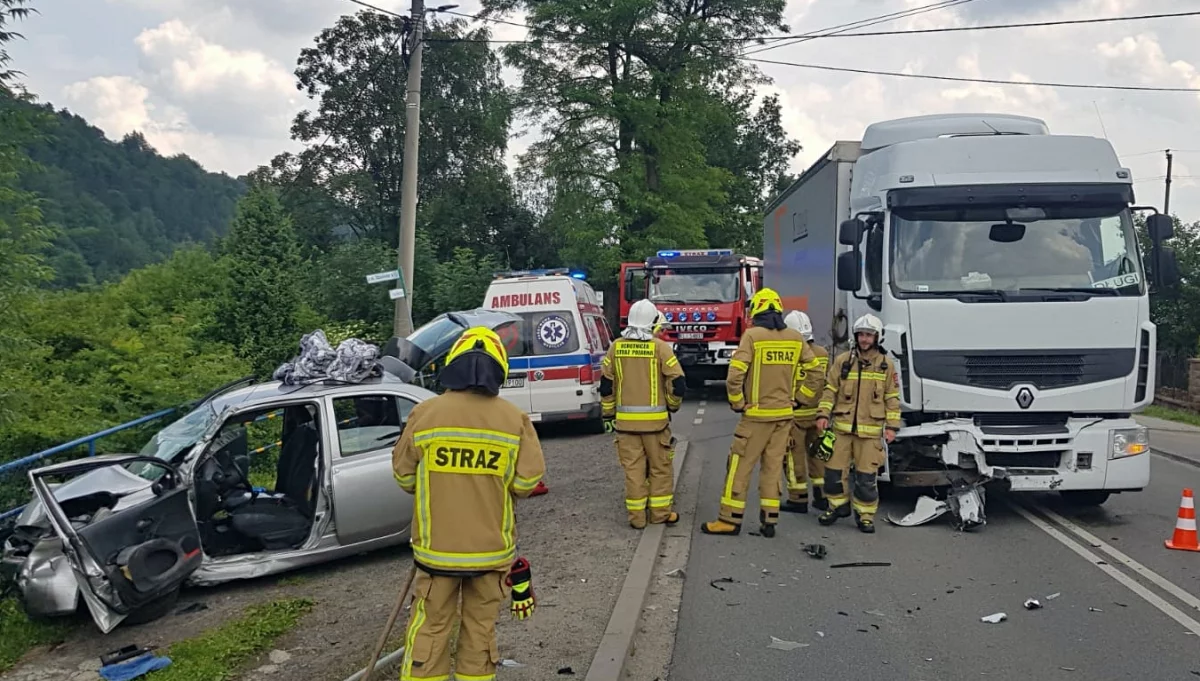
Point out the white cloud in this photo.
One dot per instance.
(212, 78)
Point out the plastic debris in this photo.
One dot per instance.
(821, 634)
(1032, 604)
(512, 664)
(817, 551)
(677, 572)
(721, 580)
(1067, 669)
(566, 671)
(780, 644)
(860, 564)
(875, 613)
(1053, 596)
(996, 618)
(1095, 610)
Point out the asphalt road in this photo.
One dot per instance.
(920, 617)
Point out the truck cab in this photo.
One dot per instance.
(704, 296)
(1005, 265)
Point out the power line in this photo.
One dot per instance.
(864, 23)
(992, 81)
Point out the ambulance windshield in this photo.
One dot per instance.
(695, 285)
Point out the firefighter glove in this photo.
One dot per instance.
(520, 578)
(609, 425)
(825, 446)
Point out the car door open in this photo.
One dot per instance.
(127, 559)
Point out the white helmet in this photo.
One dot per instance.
(869, 323)
(799, 321)
(643, 315)
(660, 322)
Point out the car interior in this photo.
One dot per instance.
(235, 515)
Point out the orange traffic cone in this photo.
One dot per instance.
(1185, 527)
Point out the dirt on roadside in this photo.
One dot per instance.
(576, 538)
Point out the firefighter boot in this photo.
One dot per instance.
(795, 506)
(831, 516)
(720, 527)
(866, 525)
(767, 529)
(819, 501)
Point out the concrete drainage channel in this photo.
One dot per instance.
(610, 658)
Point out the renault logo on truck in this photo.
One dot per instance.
(1024, 398)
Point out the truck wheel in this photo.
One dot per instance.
(1086, 497)
(696, 383)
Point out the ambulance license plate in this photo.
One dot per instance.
(691, 336)
(514, 382)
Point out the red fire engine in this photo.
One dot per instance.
(704, 295)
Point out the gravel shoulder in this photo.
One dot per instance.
(576, 538)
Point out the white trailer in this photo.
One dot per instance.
(1005, 266)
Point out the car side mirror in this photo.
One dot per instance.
(849, 271)
(850, 232)
(1160, 227)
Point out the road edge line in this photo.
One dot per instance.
(609, 661)
(1162, 582)
(1125, 580)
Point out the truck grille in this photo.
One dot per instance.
(1043, 369)
(1004, 371)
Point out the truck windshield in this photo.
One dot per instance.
(1065, 248)
(694, 285)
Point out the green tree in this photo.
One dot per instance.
(651, 139)
(261, 314)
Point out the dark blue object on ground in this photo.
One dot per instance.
(132, 669)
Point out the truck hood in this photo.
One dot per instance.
(1098, 322)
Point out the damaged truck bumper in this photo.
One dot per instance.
(1080, 454)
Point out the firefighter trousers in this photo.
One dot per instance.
(648, 460)
(755, 443)
(801, 469)
(867, 455)
(435, 607)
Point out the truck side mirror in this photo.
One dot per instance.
(1166, 270)
(1160, 227)
(850, 233)
(849, 271)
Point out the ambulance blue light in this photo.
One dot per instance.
(578, 275)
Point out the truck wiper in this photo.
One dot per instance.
(979, 294)
(1101, 291)
(709, 300)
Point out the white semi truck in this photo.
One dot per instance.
(1004, 263)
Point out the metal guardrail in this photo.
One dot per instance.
(89, 440)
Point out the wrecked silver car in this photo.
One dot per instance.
(256, 479)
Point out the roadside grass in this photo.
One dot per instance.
(1158, 411)
(217, 654)
(18, 634)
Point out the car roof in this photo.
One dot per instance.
(269, 391)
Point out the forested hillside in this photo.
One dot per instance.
(116, 206)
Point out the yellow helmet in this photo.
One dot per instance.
(480, 339)
(766, 300)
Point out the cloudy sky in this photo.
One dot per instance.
(213, 78)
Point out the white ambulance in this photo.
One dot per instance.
(554, 368)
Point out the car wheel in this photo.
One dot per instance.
(155, 609)
(1087, 497)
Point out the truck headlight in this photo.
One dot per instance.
(1128, 442)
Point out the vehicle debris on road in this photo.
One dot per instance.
(996, 618)
(780, 644)
(1032, 604)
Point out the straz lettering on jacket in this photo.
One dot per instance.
(779, 357)
(459, 459)
(636, 350)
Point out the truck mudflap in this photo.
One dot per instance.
(1072, 455)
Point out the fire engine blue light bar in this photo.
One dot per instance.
(714, 251)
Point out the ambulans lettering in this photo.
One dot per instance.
(459, 459)
(779, 357)
(526, 299)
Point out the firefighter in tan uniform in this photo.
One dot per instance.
(761, 386)
(863, 397)
(465, 455)
(802, 469)
(641, 385)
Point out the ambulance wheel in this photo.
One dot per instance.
(594, 426)
(1085, 497)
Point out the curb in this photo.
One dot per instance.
(1187, 461)
(609, 661)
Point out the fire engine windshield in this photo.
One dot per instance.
(694, 285)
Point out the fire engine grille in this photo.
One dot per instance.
(1043, 369)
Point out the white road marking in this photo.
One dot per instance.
(1125, 580)
(697, 421)
(1095, 542)
(700, 411)
(703, 403)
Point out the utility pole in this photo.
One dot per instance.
(402, 324)
(1167, 199)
